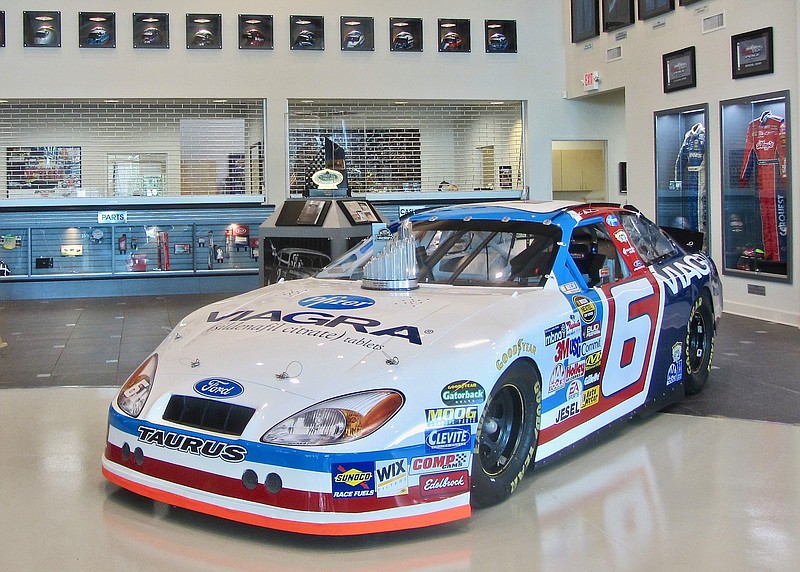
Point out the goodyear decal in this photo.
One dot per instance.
(516, 350)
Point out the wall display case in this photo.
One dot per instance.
(617, 14)
(151, 31)
(2, 29)
(405, 34)
(97, 30)
(500, 36)
(41, 29)
(682, 169)
(454, 35)
(255, 32)
(584, 20)
(652, 8)
(756, 184)
(357, 33)
(307, 32)
(203, 31)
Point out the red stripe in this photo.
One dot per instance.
(326, 529)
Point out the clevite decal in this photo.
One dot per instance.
(194, 445)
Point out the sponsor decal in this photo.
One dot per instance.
(337, 302)
(447, 416)
(586, 308)
(353, 480)
(558, 378)
(570, 288)
(591, 331)
(439, 463)
(517, 349)
(590, 397)
(593, 361)
(638, 264)
(576, 370)
(621, 236)
(193, 445)
(677, 275)
(566, 349)
(591, 379)
(573, 326)
(675, 372)
(312, 324)
(611, 220)
(218, 388)
(555, 334)
(463, 392)
(448, 438)
(591, 347)
(444, 484)
(574, 390)
(628, 251)
(391, 478)
(569, 410)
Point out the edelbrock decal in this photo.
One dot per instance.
(337, 302)
(218, 388)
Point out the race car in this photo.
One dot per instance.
(420, 374)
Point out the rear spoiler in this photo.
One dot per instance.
(691, 240)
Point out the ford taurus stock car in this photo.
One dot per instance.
(420, 374)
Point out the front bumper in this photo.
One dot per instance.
(287, 489)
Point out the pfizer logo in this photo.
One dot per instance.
(337, 302)
(218, 388)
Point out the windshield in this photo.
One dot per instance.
(466, 253)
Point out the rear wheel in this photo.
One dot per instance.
(507, 434)
(699, 345)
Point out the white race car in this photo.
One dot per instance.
(420, 374)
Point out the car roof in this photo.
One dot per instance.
(535, 211)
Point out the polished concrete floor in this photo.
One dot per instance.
(712, 485)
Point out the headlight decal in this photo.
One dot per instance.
(133, 395)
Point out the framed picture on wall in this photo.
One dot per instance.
(357, 34)
(687, 2)
(454, 35)
(679, 70)
(405, 34)
(255, 32)
(307, 32)
(41, 29)
(203, 31)
(97, 30)
(501, 36)
(617, 14)
(751, 53)
(652, 8)
(151, 31)
(584, 19)
(2, 29)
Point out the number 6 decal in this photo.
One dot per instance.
(634, 309)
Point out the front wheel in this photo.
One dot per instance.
(699, 345)
(508, 431)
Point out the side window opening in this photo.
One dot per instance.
(595, 255)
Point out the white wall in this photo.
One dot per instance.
(535, 74)
(639, 73)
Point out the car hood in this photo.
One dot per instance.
(319, 338)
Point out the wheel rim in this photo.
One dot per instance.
(501, 430)
(698, 342)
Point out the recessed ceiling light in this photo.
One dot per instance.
(219, 101)
(496, 102)
(111, 101)
(400, 102)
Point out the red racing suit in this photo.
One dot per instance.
(766, 138)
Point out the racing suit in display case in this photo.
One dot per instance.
(766, 139)
(690, 169)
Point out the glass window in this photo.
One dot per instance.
(595, 255)
(649, 240)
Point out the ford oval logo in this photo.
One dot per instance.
(448, 438)
(219, 388)
(337, 302)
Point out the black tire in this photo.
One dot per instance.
(508, 431)
(699, 345)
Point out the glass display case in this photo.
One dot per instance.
(756, 183)
(682, 169)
